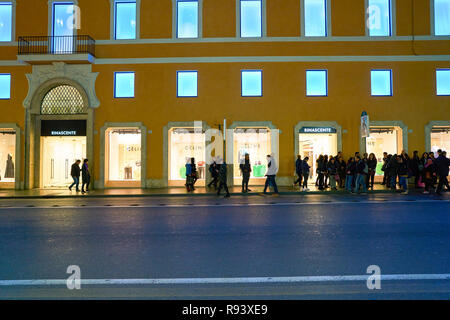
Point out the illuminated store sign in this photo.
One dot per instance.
(63, 128)
(317, 130)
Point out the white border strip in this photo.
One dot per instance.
(189, 281)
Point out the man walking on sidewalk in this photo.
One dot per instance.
(272, 170)
(442, 163)
(223, 178)
(75, 173)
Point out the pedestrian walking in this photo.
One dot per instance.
(246, 170)
(85, 176)
(75, 173)
(223, 178)
(214, 171)
(272, 170)
(298, 171)
(305, 172)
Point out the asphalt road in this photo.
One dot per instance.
(244, 237)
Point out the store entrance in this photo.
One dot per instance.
(57, 156)
(384, 139)
(312, 145)
(440, 139)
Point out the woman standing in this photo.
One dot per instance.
(332, 172)
(372, 165)
(85, 176)
(350, 174)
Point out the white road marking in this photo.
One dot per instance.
(281, 204)
(257, 280)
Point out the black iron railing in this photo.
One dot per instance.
(56, 45)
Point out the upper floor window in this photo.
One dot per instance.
(442, 17)
(125, 19)
(187, 83)
(381, 82)
(315, 18)
(251, 18)
(316, 83)
(5, 86)
(124, 85)
(379, 21)
(187, 18)
(443, 82)
(251, 83)
(6, 21)
(63, 19)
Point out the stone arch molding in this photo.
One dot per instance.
(79, 74)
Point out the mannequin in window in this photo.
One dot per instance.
(9, 172)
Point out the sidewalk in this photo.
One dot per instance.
(174, 191)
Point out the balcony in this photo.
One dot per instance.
(44, 49)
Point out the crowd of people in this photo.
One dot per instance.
(356, 175)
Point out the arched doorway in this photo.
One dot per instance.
(60, 132)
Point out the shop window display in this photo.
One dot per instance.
(124, 154)
(440, 139)
(383, 140)
(255, 142)
(186, 143)
(316, 144)
(7, 155)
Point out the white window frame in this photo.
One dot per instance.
(50, 14)
(393, 13)
(13, 20)
(263, 20)
(175, 20)
(112, 20)
(328, 20)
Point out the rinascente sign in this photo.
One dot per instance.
(63, 128)
(318, 130)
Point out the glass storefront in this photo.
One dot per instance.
(387, 139)
(7, 157)
(440, 139)
(124, 154)
(186, 143)
(256, 142)
(58, 155)
(323, 141)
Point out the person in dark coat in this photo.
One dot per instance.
(85, 176)
(321, 169)
(214, 170)
(402, 173)
(332, 170)
(392, 172)
(246, 170)
(350, 172)
(223, 178)
(305, 172)
(383, 168)
(361, 172)
(442, 164)
(298, 171)
(75, 173)
(372, 165)
(428, 175)
(415, 168)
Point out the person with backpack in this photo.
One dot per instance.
(298, 171)
(223, 178)
(361, 171)
(305, 171)
(214, 171)
(246, 169)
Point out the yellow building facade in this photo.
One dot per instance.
(143, 141)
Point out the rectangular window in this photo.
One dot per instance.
(251, 83)
(443, 82)
(5, 21)
(381, 82)
(316, 83)
(442, 17)
(187, 83)
(63, 28)
(380, 18)
(124, 85)
(124, 154)
(5, 86)
(187, 19)
(251, 18)
(315, 18)
(125, 20)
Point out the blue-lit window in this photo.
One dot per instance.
(5, 21)
(63, 27)
(187, 83)
(251, 18)
(442, 17)
(443, 82)
(251, 83)
(380, 18)
(5, 86)
(316, 83)
(315, 18)
(124, 85)
(187, 19)
(125, 20)
(381, 82)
